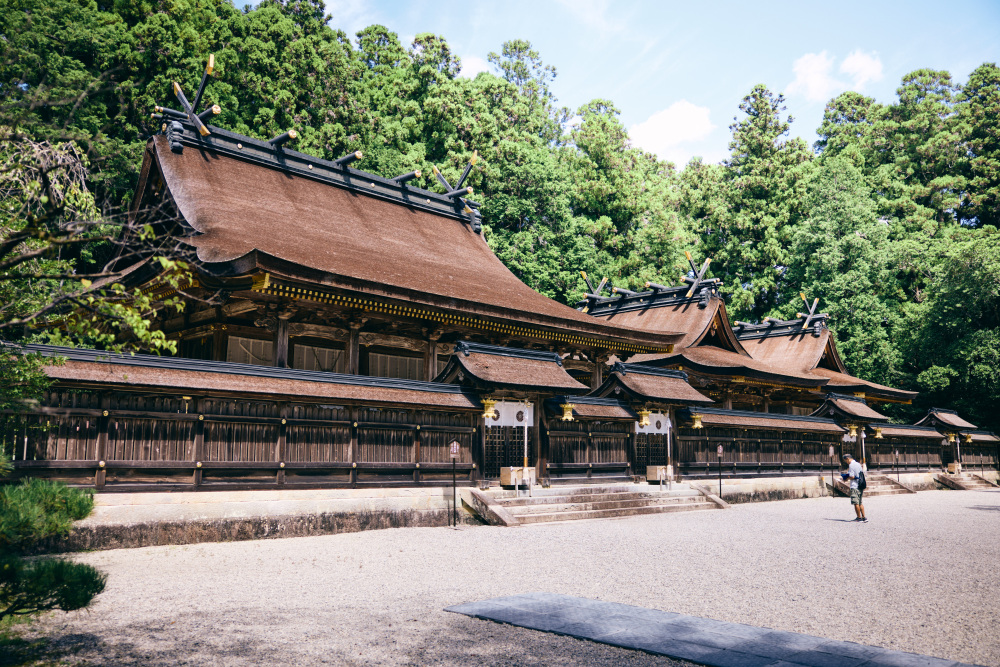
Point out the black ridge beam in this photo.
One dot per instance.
(202, 130)
(213, 110)
(403, 178)
(209, 67)
(348, 159)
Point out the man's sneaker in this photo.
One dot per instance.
(860, 519)
(864, 519)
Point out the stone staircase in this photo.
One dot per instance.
(965, 482)
(598, 502)
(878, 485)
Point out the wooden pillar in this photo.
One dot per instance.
(727, 401)
(766, 402)
(219, 351)
(354, 348)
(354, 446)
(281, 343)
(102, 441)
(541, 441)
(416, 447)
(430, 357)
(480, 445)
(198, 448)
(600, 357)
(279, 450)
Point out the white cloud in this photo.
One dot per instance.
(672, 132)
(862, 67)
(813, 78)
(350, 15)
(473, 65)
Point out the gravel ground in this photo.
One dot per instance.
(922, 576)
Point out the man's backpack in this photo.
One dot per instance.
(862, 481)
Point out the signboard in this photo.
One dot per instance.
(512, 413)
(719, 451)
(658, 423)
(455, 448)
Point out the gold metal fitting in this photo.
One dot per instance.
(488, 407)
(951, 437)
(198, 464)
(105, 413)
(281, 465)
(567, 408)
(697, 421)
(201, 418)
(644, 417)
(967, 438)
(100, 464)
(852, 430)
(878, 433)
(283, 421)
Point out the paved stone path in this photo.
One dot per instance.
(701, 640)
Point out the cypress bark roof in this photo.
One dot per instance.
(906, 431)
(760, 420)
(848, 407)
(948, 418)
(257, 208)
(716, 361)
(646, 383)
(90, 367)
(591, 407)
(489, 367)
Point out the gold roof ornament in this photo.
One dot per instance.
(489, 408)
(878, 433)
(567, 408)
(644, 417)
(697, 421)
(951, 437)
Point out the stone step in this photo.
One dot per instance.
(602, 505)
(567, 490)
(585, 498)
(610, 513)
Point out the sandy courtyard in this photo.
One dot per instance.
(922, 576)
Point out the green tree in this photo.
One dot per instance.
(978, 110)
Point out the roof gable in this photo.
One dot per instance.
(491, 367)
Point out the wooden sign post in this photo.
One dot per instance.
(719, 451)
(455, 452)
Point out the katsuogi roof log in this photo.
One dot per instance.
(490, 367)
(648, 384)
(252, 209)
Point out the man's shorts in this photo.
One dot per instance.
(856, 496)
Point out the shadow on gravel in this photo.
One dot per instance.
(438, 641)
(986, 508)
(844, 520)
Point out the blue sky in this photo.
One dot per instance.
(678, 70)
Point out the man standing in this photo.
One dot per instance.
(854, 472)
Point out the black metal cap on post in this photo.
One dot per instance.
(171, 113)
(623, 291)
(280, 140)
(348, 159)
(403, 178)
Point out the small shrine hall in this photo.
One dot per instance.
(342, 329)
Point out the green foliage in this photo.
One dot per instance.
(888, 220)
(30, 587)
(37, 510)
